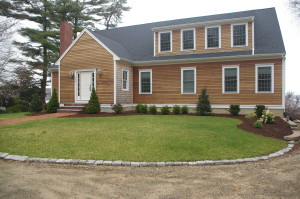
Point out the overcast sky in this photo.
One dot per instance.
(146, 11)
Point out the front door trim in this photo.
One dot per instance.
(75, 83)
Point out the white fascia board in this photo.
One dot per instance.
(206, 23)
(77, 38)
(210, 59)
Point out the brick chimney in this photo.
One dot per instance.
(66, 36)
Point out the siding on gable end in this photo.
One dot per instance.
(200, 41)
(124, 97)
(87, 53)
(54, 79)
(166, 88)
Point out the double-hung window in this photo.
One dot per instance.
(145, 79)
(239, 35)
(188, 80)
(125, 80)
(213, 37)
(264, 78)
(230, 79)
(165, 41)
(188, 39)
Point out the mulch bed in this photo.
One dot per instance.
(277, 130)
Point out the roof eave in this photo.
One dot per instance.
(210, 59)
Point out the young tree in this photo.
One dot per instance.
(36, 104)
(93, 105)
(53, 104)
(203, 105)
(292, 105)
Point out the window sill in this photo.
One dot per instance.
(264, 92)
(125, 89)
(145, 93)
(239, 46)
(231, 93)
(188, 50)
(213, 48)
(164, 51)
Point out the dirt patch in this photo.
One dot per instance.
(274, 178)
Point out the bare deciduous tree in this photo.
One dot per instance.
(292, 105)
(6, 50)
(295, 6)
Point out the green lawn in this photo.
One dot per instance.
(7, 116)
(135, 138)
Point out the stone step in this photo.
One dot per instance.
(74, 104)
(69, 110)
(72, 107)
(293, 137)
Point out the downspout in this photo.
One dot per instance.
(115, 81)
(283, 82)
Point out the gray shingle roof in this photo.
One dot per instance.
(135, 43)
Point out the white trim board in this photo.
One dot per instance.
(76, 83)
(220, 38)
(127, 81)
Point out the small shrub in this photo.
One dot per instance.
(258, 124)
(165, 110)
(36, 104)
(93, 105)
(17, 108)
(259, 110)
(144, 108)
(117, 108)
(203, 105)
(267, 117)
(184, 110)
(141, 108)
(138, 108)
(153, 110)
(2, 111)
(53, 104)
(45, 107)
(250, 116)
(234, 109)
(176, 109)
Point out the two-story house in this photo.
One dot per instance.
(239, 57)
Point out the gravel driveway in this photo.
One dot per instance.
(275, 178)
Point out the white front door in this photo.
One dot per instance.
(85, 83)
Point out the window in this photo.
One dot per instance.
(145, 82)
(264, 78)
(213, 37)
(188, 80)
(239, 34)
(230, 79)
(125, 79)
(188, 39)
(165, 39)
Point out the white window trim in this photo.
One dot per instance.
(76, 81)
(246, 25)
(195, 79)
(238, 79)
(181, 38)
(140, 87)
(171, 43)
(127, 82)
(220, 33)
(256, 77)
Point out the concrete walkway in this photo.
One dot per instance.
(30, 118)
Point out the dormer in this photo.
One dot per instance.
(205, 37)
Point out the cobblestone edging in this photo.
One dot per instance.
(8, 156)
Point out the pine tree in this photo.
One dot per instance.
(53, 104)
(93, 106)
(36, 104)
(203, 105)
(42, 46)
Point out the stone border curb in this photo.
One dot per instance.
(8, 156)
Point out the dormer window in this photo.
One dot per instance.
(165, 41)
(239, 36)
(188, 39)
(213, 37)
